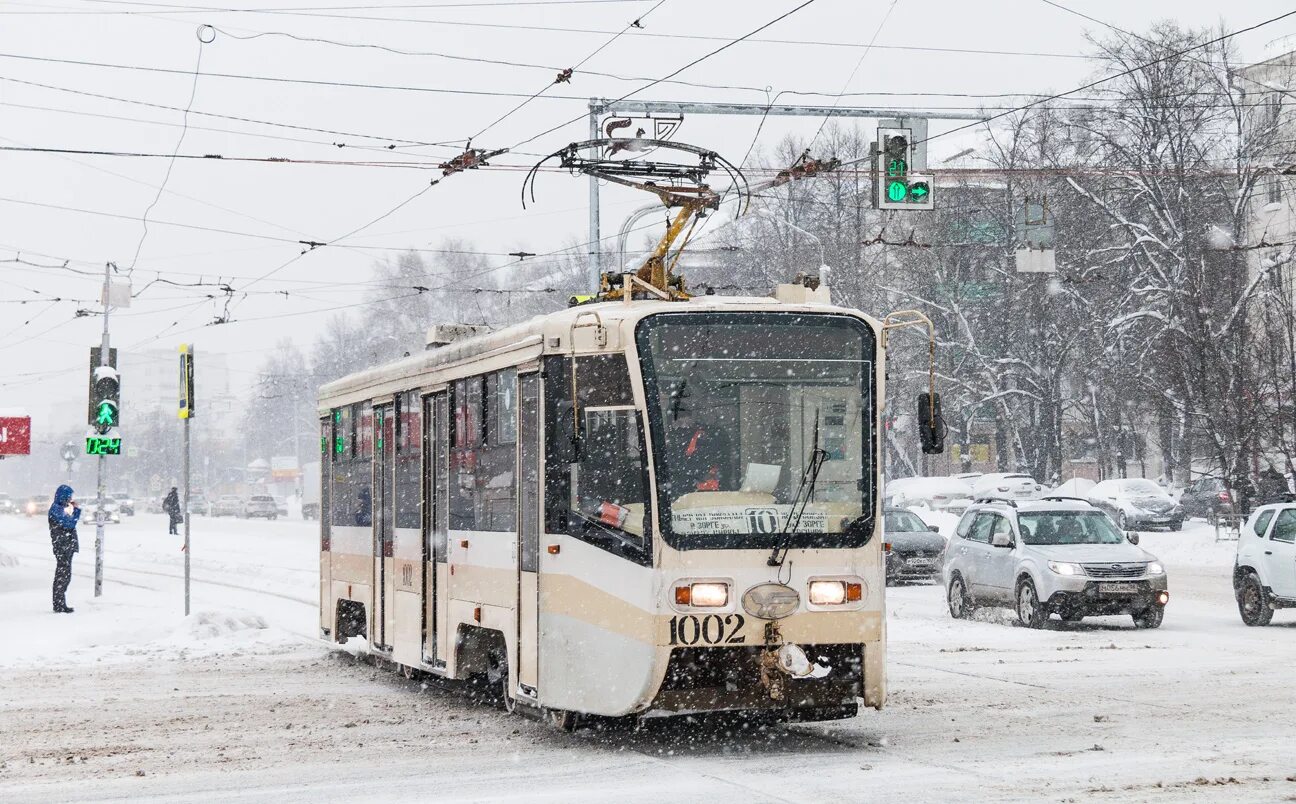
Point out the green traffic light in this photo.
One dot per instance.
(919, 191)
(106, 414)
(897, 167)
(897, 190)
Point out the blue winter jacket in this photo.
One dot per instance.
(62, 526)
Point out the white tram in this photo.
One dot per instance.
(623, 508)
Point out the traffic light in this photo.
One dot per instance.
(187, 407)
(897, 187)
(106, 400)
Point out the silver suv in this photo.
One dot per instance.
(1057, 555)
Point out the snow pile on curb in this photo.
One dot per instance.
(205, 625)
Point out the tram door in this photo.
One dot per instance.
(436, 479)
(384, 508)
(529, 429)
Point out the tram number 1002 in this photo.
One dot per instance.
(712, 629)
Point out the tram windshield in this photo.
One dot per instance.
(762, 427)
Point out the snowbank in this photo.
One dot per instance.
(8, 560)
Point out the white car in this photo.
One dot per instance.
(1264, 573)
(1007, 486)
(1051, 556)
(111, 514)
(936, 493)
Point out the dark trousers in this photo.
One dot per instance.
(173, 530)
(62, 577)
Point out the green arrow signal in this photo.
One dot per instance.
(107, 413)
(919, 191)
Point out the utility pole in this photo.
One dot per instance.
(186, 413)
(100, 514)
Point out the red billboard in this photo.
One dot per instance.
(15, 435)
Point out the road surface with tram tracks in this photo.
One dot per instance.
(125, 699)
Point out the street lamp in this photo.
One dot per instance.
(824, 270)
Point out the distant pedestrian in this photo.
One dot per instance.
(64, 514)
(171, 505)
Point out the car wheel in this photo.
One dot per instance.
(1177, 525)
(1122, 521)
(1150, 617)
(960, 602)
(1253, 603)
(1030, 611)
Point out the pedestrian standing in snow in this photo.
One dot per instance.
(171, 505)
(64, 514)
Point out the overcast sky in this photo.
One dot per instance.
(252, 214)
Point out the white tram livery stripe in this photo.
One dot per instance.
(351, 540)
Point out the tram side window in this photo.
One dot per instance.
(465, 449)
(596, 491)
(409, 454)
(361, 470)
(496, 475)
(341, 500)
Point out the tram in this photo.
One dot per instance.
(632, 507)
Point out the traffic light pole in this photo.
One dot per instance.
(103, 459)
(185, 472)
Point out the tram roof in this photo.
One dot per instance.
(542, 334)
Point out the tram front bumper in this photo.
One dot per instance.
(725, 678)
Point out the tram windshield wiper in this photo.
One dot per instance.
(623, 536)
(804, 493)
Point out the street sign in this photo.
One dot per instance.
(15, 435)
(155, 483)
(69, 452)
(186, 381)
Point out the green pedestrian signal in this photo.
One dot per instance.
(106, 416)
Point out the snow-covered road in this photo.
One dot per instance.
(127, 699)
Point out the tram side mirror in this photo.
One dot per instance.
(569, 435)
(931, 425)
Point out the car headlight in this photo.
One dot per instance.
(1066, 568)
(706, 594)
(1155, 568)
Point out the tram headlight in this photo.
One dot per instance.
(705, 595)
(835, 593)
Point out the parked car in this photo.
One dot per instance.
(1137, 502)
(281, 507)
(198, 504)
(7, 505)
(936, 493)
(1006, 486)
(125, 503)
(154, 505)
(227, 505)
(38, 504)
(1206, 497)
(111, 513)
(260, 505)
(1264, 573)
(1051, 556)
(914, 548)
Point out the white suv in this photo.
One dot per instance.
(1057, 555)
(1264, 573)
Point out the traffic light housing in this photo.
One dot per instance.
(103, 408)
(896, 186)
(106, 400)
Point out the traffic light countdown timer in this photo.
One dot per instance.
(897, 186)
(104, 410)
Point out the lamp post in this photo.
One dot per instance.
(824, 270)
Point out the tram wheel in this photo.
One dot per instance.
(563, 719)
